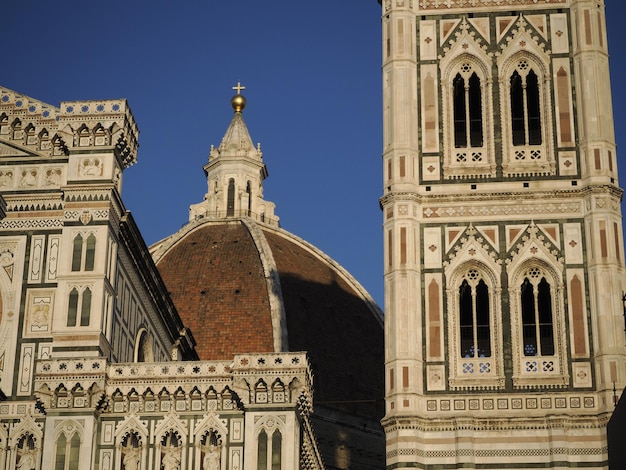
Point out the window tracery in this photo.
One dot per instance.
(467, 104)
(83, 252)
(474, 321)
(537, 327)
(475, 341)
(67, 451)
(79, 306)
(269, 443)
(269, 450)
(526, 108)
(537, 321)
(467, 111)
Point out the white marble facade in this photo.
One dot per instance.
(90, 350)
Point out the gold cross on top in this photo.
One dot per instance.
(239, 87)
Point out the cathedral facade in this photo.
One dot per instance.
(97, 368)
(220, 347)
(504, 258)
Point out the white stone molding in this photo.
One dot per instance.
(522, 50)
(26, 426)
(4, 448)
(274, 289)
(466, 54)
(170, 424)
(12, 250)
(481, 373)
(132, 424)
(210, 422)
(68, 427)
(49, 131)
(454, 5)
(146, 343)
(532, 252)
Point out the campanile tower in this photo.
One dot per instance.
(504, 258)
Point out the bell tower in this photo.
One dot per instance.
(504, 258)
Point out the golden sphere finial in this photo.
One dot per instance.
(238, 102)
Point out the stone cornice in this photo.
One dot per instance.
(46, 130)
(503, 196)
(494, 423)
(439, 6)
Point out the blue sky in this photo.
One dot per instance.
(312, 72)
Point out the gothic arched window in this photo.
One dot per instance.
(475, 330)
(84, 300)
(537, 297)
(230, 203)
(269, 450)
(85, 307)
(90, 252)
(527, 101)
(277, 443)
(468, 117)
(144, 350)
(72, 308)
(249, 193)
(83, 253)
(77, 252)
(262, 450)
(67, 452)
(537, 319)
(525, 106)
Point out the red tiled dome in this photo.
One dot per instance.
(245, 287)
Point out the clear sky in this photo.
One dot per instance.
(312, 72)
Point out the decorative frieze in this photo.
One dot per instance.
(497, 210)
(447, 5)
(41, 128)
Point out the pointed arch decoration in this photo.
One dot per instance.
(210, 436)
(171, 435)
(25, 443)
(269, 432)
(66, 455)
(144, 346)
(131, 438)
(526, 104)
(537, 309)
(474, 325)
(467, 107)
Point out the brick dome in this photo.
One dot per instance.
(247, 287)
